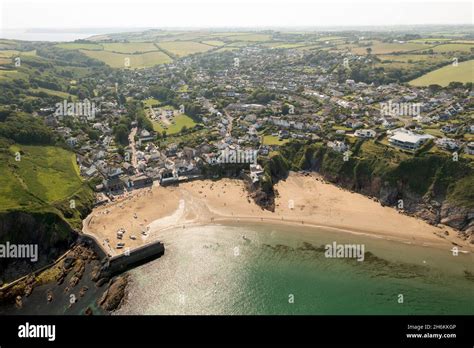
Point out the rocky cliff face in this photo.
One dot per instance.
(434, 210)
(52, 235)
(418, 186)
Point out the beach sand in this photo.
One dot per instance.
(302, 199)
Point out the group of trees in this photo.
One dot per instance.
(23, 128)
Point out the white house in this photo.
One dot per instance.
(365, 133)
(337, 145)
(408, 140)
(447, 143)
(470, 148)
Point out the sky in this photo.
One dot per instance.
(229, 13)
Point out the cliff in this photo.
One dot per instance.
(428, 185)
(51, 227)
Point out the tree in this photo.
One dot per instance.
(121, 134)
(369, 51)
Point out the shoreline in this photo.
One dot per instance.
(314, 204)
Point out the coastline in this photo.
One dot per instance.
(303, 200)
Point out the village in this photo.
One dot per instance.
(257, 105)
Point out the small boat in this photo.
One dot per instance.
(133, 237)
(120, 245)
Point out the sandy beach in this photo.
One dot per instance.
(302, 199)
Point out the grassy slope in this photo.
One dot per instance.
(464, 72)
(44, 174)
(180, 122)
(117, 60)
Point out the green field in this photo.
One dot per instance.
(133, 47)
(80, 46)
(151, 102)
(214, 43)
(12, 75)
(384, 48)
(405, 58)
(464, 72)
(250, 37)
(179, 122)
(137, 61)
(44, 174)
(60, 94)
(184, 48)
(453, 48)
(273, 140)
(15, 53)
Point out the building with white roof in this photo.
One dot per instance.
(408, 140)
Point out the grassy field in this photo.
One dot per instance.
(464, 72)
(179, 122)
(80, 46)
(151, 102)
(133, 47)
(273, 140)
(453, 48)
(45, 174)
(15, 53)
(216, 43)
(60, 94)
(250, 37)
(384, 48)
(137, 61)
(413, 58)
(184, 48)
(12, 75)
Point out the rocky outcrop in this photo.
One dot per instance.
(457, 217)
(113, 296)
(48, 231)
(73, 265)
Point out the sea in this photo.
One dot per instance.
(44, 35)
(241, 268)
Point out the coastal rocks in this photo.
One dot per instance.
(95, 274)
(388, 194)
(48, 231)
(68, 262)
(49, 295)
(114, 295)
(18, 302)
(428, 215)
(101, 282)
(83, 291)
(457, 217)
(263, 199)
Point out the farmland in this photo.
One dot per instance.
(273, 140)
(119, 60)
(43, 174)
(135, 47)
(384, 48)
(179, 122)
(464, 72)
(184, 48)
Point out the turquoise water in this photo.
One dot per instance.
(249, 269)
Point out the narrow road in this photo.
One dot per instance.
(131, 140)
